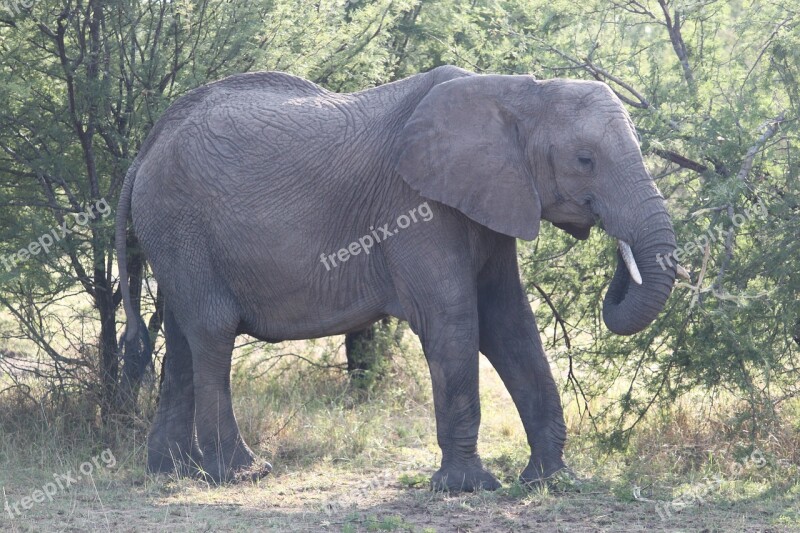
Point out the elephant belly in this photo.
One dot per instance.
(296, 297)
(303, 315)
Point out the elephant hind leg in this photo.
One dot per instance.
(211, 339)
(171, 443)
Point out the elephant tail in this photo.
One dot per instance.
(135, 346)
(121, 242)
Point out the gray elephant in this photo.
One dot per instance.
(270, 206)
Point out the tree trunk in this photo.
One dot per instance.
(368, 353)
(357, 348)
(109, 366)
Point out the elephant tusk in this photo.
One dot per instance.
(630, 262)
(682, 272)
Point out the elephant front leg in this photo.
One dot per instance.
(437, 291)
(510, 340)
(453, 362)
(528, 378)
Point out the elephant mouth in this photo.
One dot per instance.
(576, 230)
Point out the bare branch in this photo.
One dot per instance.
(603, 75)
(678, 44)
(35, 332)
(680, 160)
(764, 48)
(770, 129)
(597, 72)
(559, 320)
(634, 7)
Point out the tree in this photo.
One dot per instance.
(82, 83)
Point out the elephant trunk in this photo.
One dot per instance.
(629, 306)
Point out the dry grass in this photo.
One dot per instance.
(347, 460)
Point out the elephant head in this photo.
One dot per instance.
(508, 151)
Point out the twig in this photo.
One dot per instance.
(559, 320)
(680, 160)
(771, 128)
(697, 293)
(288, 420)
(642, 103)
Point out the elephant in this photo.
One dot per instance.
(270, 206)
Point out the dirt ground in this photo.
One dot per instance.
(326, 500)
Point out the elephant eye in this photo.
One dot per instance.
(586, 162)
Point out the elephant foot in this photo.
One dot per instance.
(461, 479)
(173, 459)
(220, 467)
(556, 479)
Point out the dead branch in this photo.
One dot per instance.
(680, 160)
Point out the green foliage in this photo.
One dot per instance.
(371, 354)
(733, 330)
(711, 85)
(415, 480)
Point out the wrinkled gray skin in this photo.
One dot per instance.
(243, 183)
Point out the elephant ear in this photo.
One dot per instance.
(462, 147)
